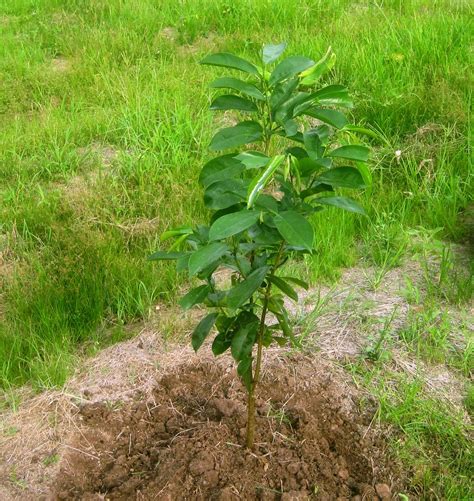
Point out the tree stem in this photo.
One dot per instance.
(250, 438)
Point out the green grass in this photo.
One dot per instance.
(83, 80)
(432, 439)
(74, 233)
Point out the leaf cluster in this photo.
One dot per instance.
(292, 154)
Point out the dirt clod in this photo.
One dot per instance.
(383, 490)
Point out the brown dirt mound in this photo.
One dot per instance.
(184, 442)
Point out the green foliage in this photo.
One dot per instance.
(263, 201)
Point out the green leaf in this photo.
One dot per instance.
(341, 202)
(282, 93)
(261, 180)
(342, 177)
(253, 159)
(314, 190)
(284, 287)
(289, 67)
(297, 281)
(313, 144)
(244, 338)
(313, 74)
(244, 370)
(368, 132)
(220, 169)
(194, 296)
(239, 85)
(165, 256)
(333, 95)
(365, 172)
(223, 194)
(231, 102)
(231, 137)
(331, 117)
(230, 61)
(182, 262)
(295, 229)
(351, 152)
(176, 232)
(206, 256)
(220, 344)
(202, 330)
(291, 127)
(232, 224)
(239, 294)
(271, 52)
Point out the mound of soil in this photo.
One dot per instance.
(186, 441)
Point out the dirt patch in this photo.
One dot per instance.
(184, 440)
(60, 65)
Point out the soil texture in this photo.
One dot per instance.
(184, 441)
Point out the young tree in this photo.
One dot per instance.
(262, 201)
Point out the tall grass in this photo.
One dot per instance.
(75, 231)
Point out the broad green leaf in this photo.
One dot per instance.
(239, 85)
(365, 172)
(230, 102)
(165, 256)
(295, 229)
(223, 194)
(220, 169)
(351, 152)
(239, 294)
(205, 256)
(194, 296)
(244, 370)
(267, 202)
(271, 52)
(297, 281)
(231, 137)
(232, 224)
(244, 338)
(331, 117)
(266, 235)
(260, 181)
(291, 127)
(333, 95)
(342, 177)
(284, 287)
(289, 67)
(230, 61)
(314, 190)
(253, 159)
(176, 232)
(202, 330)
(221, 344)
(313, 144)
(182, 262)
(282, 93)
(313, 74)
(341, 202)
(277, 307)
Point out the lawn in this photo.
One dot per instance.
(105, 126)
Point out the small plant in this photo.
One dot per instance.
(263, 199)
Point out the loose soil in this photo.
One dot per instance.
(184, 441)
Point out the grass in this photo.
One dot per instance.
(104, 129)
(89, 77)
(433, 439)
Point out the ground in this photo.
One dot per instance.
(150, 417)
(104, 127)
